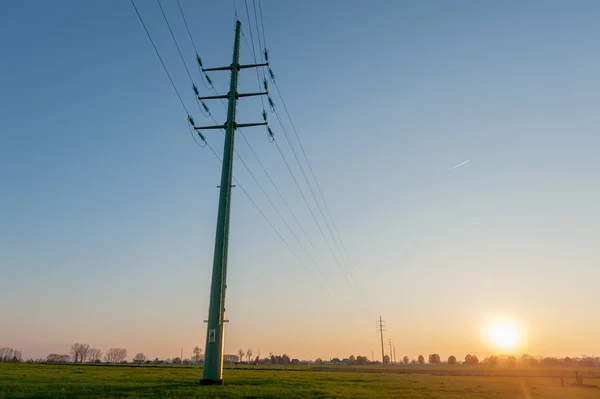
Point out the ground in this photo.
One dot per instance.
(70, 381)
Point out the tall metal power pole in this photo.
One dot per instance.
(381, 329)
(213, 358)
(391, 352)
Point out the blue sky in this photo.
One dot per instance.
(108, 208)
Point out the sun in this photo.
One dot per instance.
(503, 335)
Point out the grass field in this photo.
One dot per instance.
(69, 381)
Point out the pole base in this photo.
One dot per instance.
(208, 381)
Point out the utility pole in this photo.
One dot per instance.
(213, 355)
(391, 353)
(395, 354)
(381, 329)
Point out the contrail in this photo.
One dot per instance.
(460, 164)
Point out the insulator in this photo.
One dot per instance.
(199, 60)
(266, 55)
(265, 84)
(191, 120)
(195, 90)
(270, 133)
(201, 136)
(271, 103)
(271, 74)
(205, 107)
(264, 114)
(208, 79)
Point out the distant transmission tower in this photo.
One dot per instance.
(381, 329)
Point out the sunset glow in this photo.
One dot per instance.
(503, 335)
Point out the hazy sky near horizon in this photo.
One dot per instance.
(108, 208)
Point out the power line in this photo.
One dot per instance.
(238, 184)
(209, 146)
(346, 259)
(191, 39)
(279, 192)
(159, 57)
(307, 181)
(183, 59)
(175, 41)
(282, 218)
(314, 178)
(262, 24)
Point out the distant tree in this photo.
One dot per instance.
(79, 352)
(94, 355)
(197, 351)
(434, 359)
(351, 360)
(257, 360)
(567, 361)
(421, 359)
(533, 362)
(318, 361)
(139, 358)
(550, 361)
(386, 359)
(249, 354)
(511, 361)
(405, 359)
(10, 355)
(115, 355)
(156, 361)
(413, 361)
(471, 360)
(177, 360)
(452, 360)
(361, 360)
(285, 359)
(493, 361)
(241, 354)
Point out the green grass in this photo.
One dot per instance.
(68, 381)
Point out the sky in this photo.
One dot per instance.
(108, 208)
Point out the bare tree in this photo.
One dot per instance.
(79, 352)
(405, 359)
(241, 354)
(115, 355)
(10, 355)
(249, 354)
(197, 351)
(139, 358)
(94, 355)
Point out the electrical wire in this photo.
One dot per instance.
(180, 53)
(253, 52)
(314, 177)
(276, 231)
(160, 58)
(302, 148)
(192, 40)
(210, 147)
